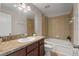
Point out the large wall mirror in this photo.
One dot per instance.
(14, 21)
(30, 23)
(5, 24)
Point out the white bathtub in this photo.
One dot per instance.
(64, 46)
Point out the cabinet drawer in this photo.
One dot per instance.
(31, 47)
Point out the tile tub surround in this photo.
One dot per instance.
(11, 46)
(12, 37)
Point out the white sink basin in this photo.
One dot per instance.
(28, 39)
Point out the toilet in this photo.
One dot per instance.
(48, 48)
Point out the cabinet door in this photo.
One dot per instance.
(21, 52)
(41, 48)
(32, 47)
(42, 51)
(33, 52)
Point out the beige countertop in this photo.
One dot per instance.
(13, 45)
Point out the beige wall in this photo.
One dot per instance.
(59, 26)
(44, 26)
(71, 27)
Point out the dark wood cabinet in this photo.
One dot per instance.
(21, 52)
(33, 52)
(42, 52)
(34, 49)
(41, 47)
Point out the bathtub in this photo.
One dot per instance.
(63, 46)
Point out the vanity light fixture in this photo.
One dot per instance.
(23, 6)
(71, 21)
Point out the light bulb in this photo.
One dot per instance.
(71, 21)
(28, 8)
(23, 5)
(19, 8)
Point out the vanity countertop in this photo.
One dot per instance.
(13, 45)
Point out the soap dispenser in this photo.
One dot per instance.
(34, 34)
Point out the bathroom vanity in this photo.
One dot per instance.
(34, 48)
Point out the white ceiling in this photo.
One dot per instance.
(54, 9)
(10, 6)
(48, 9)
